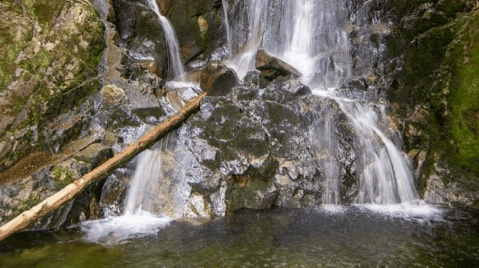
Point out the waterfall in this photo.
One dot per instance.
(310, 35)
(145, 184)
(172, 42)
(146, 200)
(227, 26)
(243, 58)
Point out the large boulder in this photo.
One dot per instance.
(259, 147)
(217, 79)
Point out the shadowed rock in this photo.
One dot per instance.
(218, 80)
(272, 67)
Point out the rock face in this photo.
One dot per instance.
(258, 147)
(116, 102)
(436, 95)
(217, 79)
(49, 55)
(271, 67)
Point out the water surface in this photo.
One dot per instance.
(339, 237)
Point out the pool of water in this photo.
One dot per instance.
(338, 237)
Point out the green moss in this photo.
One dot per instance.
(465, 107)
(13, 38)
(233, 133)
(120, 118)
(62, 176)
(54, 93)
(449, 7)
(44, 11)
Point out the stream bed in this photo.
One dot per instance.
(355, 236)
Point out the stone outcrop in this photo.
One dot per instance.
(49, 56)
(217, 79)
(272, 67)
(257, 147)
(436, 95)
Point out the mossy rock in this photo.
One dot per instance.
(438, 93)
(48, 69)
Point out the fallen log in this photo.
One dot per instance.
(55, 201)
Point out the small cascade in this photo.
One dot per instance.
(243, 58)
(145, 184)
(143, 212)
(311, 36)
(228, 29)
(386, 176)
(172, 41)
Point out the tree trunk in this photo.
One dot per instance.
(55, 201)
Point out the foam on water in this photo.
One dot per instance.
(415, 209)
(333, 209)
(113, 230)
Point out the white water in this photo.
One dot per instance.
(310, 35)
(227, 26)
(142, 214)
(172, 41)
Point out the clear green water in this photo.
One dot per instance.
(354, 237)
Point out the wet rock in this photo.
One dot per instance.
(272, 67)
(140, 32)
(112, 195)
(358, 83)
(217, 79)
(197, 25)
(94, 154)
(442, 190)
(190, 51)
(262, 147)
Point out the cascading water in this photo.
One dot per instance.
(145, 201)
(149, 194)
(242, 59)
(310, 35)
(227, 26)
(172, 41)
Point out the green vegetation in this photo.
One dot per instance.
(56, 63)
(62, 176)
(44, 11)
(464, 121)
(441, 77)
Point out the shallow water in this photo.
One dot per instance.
(334, 237)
